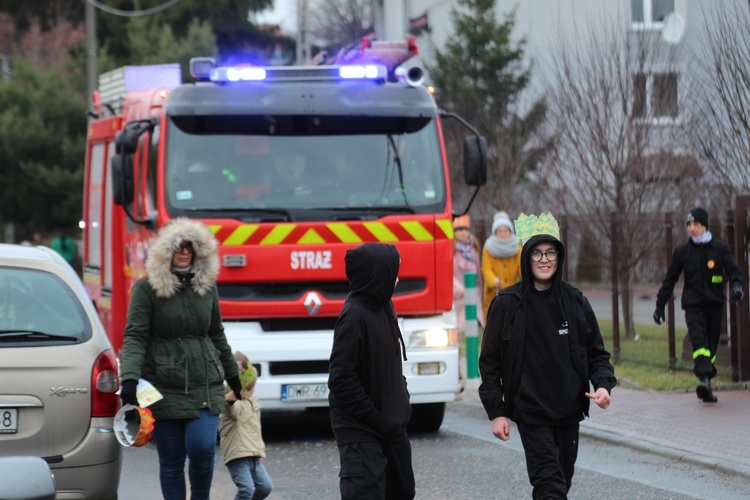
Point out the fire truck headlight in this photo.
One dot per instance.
(434, 368)
(433, 337)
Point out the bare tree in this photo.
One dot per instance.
(722, 135)
(338, 23)
(613, 104)
(482, 75)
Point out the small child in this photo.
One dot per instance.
(241, 440)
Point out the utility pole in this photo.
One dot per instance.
(303, 38)
(379, 18)
(10, 228)
(5, 68)
(91, 53)
(391, 18)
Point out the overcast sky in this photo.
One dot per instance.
(284, 14)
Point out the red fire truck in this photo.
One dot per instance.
(289, 167)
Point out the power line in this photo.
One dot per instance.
(133, 13)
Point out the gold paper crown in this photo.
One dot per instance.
(247, 377)
(531, 225)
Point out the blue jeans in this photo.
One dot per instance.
(194, 438)
(251, 478)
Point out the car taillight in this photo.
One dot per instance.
(104, 401)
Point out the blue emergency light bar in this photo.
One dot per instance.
(244, 74)
(204, 69)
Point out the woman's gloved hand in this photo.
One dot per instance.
(127, 392)
(236, 386)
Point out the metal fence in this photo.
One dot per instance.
(594, 249)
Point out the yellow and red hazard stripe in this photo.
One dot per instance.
(289, 233)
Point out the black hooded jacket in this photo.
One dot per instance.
(368, 397)
(501, 362)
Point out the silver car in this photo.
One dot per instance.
(58, 374)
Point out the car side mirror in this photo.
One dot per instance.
(24, 478)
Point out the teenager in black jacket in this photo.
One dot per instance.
(541, 348)
(703, 261)
(368, 398)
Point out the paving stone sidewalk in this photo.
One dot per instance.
(674, 424)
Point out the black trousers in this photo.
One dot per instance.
(376, 471)
(704, 330)
(551, 452)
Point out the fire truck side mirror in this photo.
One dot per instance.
(126, 141)
(475, 160)
(122, 179)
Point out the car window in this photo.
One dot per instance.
(39, 308)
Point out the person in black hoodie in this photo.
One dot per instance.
(368, 399)
(541, 348)
(703, 260)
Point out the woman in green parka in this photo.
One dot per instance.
(174, 339)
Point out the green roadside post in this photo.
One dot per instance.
(472, 340)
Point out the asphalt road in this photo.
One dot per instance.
(461, 461)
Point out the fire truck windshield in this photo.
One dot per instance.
(304, 177)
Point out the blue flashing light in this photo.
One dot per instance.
(369, 71)
(373, 72)
(246, 74)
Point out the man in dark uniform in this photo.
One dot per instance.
(704, 261)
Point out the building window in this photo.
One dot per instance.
(640, 108)
(655, 95)
(664, 95)
(650, 13)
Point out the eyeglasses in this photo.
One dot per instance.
(185, 246)
(536, 255)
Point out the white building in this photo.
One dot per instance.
(663, 90)
(544, 22)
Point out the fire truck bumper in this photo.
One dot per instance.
(293, 367)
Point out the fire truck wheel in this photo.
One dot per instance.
(426, 417)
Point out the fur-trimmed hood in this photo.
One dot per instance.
(205, 257)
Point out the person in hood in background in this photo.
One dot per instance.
(174, 339)
(501, 258)
(541, 348)
(465, 259)
(368, 399)
(703, 260)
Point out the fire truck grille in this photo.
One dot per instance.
(298, 324)
(281, 291)
(291, 291)
(298, 367)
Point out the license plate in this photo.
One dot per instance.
(304, 392)
(8, 420)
